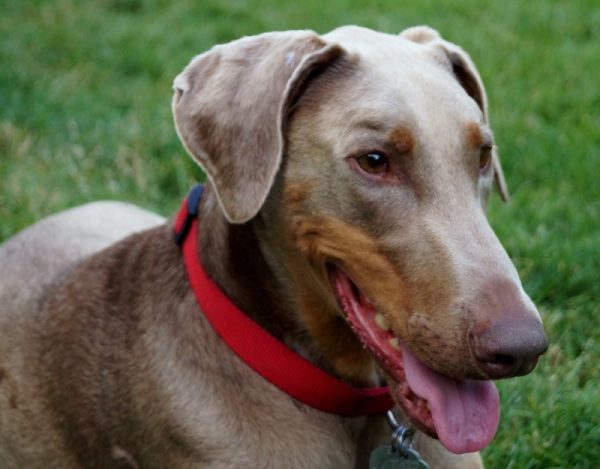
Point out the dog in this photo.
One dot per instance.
(343, 223)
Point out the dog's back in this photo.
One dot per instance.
(34, 257)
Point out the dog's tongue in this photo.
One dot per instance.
(465, 412)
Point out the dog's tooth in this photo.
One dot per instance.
(381, 322)
(394, 342)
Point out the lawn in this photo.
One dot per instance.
(85, 92)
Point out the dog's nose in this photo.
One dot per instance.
(503, 350)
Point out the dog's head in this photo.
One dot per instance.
(371, 158)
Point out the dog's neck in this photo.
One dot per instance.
(247, 271)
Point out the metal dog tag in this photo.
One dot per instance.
(385, 457)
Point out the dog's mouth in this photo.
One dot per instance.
(462, 413)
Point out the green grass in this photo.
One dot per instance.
(85, 114)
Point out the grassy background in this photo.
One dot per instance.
(85, 114)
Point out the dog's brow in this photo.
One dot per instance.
(478, 136)
(403, 138)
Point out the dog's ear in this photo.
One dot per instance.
(466, 74)
(230, 106)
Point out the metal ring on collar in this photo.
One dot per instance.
(401, 435)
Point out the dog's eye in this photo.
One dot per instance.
(485, 156)
(374, 162)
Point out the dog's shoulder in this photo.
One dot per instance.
(41, 266)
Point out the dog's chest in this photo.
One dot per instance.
(255, 425)
(203, 407)
(224, 414)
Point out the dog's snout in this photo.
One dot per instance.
(503, 350)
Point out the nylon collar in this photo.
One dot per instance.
(260, 350)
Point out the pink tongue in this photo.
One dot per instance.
(465, 412)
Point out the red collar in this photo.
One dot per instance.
(261, 351)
